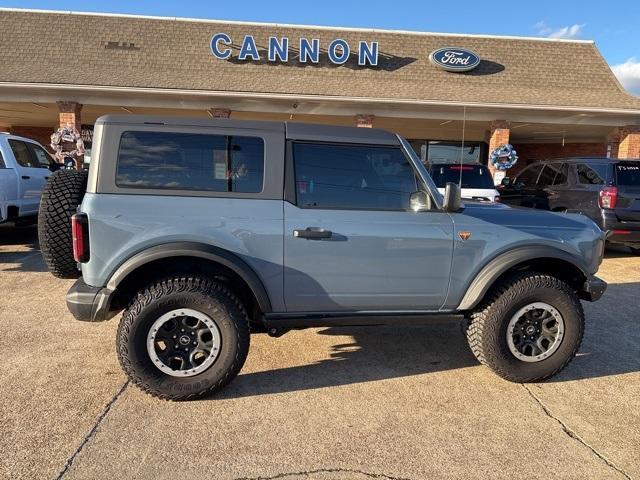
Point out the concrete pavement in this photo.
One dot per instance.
(351, 403)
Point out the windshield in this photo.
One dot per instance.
(473, 176)
(628, 173)
(424, 174)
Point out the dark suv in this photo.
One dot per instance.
(606, 190)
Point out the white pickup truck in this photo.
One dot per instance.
(24, 169)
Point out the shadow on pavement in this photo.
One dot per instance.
(375, 353)
(19, 249)
(611, 346)
(618, 251)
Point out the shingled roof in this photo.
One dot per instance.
(151, 52)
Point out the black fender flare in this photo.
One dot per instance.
(198, 250)
(486, 277)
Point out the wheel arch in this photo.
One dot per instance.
(541, 259)
(188, 256)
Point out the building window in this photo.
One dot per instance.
(185, 161)
(352, 177)
(433, 152)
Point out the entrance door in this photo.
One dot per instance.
(351, 242)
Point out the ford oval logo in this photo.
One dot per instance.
(455, 59)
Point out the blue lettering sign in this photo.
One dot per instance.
(309, 51)
(248, 49)
(215, 49)
(368, 53)
(339, 51)
(278, 49)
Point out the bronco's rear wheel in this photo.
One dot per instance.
(60, 199)
(528, 328)
(183, 337)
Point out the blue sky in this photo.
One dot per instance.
(615, 26)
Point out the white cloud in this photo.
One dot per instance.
(629, 75)
(570, 31)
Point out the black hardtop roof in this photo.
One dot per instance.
(292, 130)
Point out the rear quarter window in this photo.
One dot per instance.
(186, 161)
(628, 174)
(592, 174)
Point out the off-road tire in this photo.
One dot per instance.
(486, 329)
(199, 293)
(60, 199)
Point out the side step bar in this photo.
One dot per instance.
(348, 319)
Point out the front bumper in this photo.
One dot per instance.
(593, 289)
(89, 304)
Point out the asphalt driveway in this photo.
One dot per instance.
(383, 402)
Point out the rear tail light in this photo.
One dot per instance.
(608, 197)
(80, 234)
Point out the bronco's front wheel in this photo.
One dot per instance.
(183, 337)
(528, 328)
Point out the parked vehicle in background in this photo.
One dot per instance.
(475, 179)
(606, 190)
(25, 167)
(204, 231)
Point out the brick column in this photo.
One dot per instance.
(365, 120)
(499, 130)
(628, 142)
(220, 112)
(70, 113)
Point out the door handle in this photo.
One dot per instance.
(46, 178)
(312, 233)
(26, 177)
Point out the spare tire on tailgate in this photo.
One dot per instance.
(60, 199)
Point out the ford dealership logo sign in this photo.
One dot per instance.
(455, 59)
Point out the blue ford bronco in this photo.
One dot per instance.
(205, 231)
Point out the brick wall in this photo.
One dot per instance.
(531, 152)
(629, 146)
(41, 135)
(499, 135)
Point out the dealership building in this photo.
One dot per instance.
(453, 96)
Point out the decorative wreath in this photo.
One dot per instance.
(504, 157)
(67, 142)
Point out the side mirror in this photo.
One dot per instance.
(452, 197)
(419, 201)
(506, 182)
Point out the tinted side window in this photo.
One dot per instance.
(42, 157)
(2, 165)
(591, 174)
(21, 152)
(562, 174)
(546, 176)
(352, 177)
(529, 176)
(186, 161)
